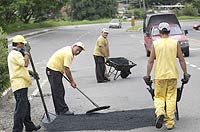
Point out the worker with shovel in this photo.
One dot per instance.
(18, 60)
(58, 64)
(164, 52)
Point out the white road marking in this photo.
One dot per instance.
(193, 65)
(194, 48)
(187, 63)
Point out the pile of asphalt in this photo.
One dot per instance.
(120, 120)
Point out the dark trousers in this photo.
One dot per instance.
(22, 111)
(58, 91)
(100, 68)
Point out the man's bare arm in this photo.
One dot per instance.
(181, 58)
(151, 61)
(69, 76)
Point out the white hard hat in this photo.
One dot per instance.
(79, 44)
(104, 30)
(164, 26)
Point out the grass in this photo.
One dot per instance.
(135, 28)
(19, 26)
(188, 18)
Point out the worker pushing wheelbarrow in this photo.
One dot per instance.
(165, 52)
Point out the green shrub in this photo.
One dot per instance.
(178, 12)
(189, 10)
(139, 13)
(4, 75)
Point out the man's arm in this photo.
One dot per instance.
(151, 61)
(181, 58)
(69, 76)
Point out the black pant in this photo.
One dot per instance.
(22, 111)
(58, 91)
(100, 68)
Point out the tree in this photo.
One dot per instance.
(7, 12)
(93, 9)
(4, 75)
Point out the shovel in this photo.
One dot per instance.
(48, 117)
(98, 108)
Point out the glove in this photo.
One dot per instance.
(147, 80)
(27, 47)
(106, 59)
(186, 78)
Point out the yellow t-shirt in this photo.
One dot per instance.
(62, 57)
(166, 54)
(19, 75)
(101, 43)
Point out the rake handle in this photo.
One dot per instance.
(82, 93)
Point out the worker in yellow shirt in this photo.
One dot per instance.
(58, 64)
(164, 52)
(101, 52)
(18, 60)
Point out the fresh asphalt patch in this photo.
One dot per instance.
(119, 120)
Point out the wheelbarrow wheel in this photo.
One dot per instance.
(124, 74)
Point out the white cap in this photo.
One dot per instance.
(104, 30)
(79, 44)
(163, 26)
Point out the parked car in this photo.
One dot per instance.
(196, 26)
(115, 23)
(151, 32)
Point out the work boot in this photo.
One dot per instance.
(159, 121)
(35, 128)
(67, 113)
(170, 128)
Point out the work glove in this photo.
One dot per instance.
(186, 78)
(27, 47)
(106, 59)
(147, 80)
(34, 74)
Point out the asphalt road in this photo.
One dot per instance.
(125, 96)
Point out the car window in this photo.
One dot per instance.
(174, 30)
(114, 21)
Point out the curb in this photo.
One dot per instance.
(32, 33)
(5, 96)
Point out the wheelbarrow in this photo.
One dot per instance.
(178, 98)
(119, 66)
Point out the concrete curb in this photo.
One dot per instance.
(32, 33)
(5, 96)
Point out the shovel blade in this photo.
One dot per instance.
(97, 109)
(51, 118)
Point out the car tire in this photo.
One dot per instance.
(148, 53)
(187, 53)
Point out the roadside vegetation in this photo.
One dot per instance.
(4, 76)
